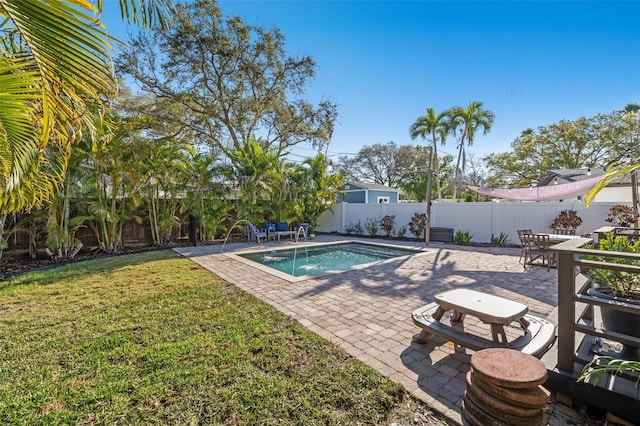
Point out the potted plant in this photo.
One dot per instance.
(621, 288)
(593, 371)
(567, 219)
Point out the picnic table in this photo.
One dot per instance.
(538, 333)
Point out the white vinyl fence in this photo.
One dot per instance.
(482, 220)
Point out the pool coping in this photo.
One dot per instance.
(293, 279)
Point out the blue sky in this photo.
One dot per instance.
(383, 62)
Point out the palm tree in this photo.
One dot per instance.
(435, 126)
(469, 120)
(54, 62)
(317, 189)
(255, 166)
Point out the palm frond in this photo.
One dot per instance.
(145, 13)
(607, 178)
(54, 60)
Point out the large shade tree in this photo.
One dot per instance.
(233, 83)
(54, 62)
(567, 144)
(385, 164)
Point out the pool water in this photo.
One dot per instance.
(319, 259)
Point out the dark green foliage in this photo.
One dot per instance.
(500, 240)
(371, 225)
(462, 237)
(354, 228)
(622, 284)
(418, 224)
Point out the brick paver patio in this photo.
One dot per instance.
(368, 311)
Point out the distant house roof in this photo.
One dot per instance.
(372, 186)
(574, 175)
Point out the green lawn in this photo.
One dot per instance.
(152, 338)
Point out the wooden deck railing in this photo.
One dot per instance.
(576, 314)
(581, 337)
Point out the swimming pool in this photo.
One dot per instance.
(313, 260)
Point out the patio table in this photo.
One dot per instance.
(558, 238)
(290, 234)
(493, 310)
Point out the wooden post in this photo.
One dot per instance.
(634, 197)
(566, 311)
(427, 229)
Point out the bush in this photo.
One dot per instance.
(567, 219)
(620, 215)
(500, 240)
(372, 227)
(354, 228)
(622, 284)
(462, 237)
(386, 223)
(417, 224)
(402, 231)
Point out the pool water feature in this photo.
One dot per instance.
(319, 259)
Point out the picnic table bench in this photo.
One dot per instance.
(495, 311)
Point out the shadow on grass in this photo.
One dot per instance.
(81, 268)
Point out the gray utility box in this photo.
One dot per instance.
(441, 235)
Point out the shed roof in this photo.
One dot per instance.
(575, 175)
(372, 186)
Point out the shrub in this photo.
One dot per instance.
(500, 240)
(386, 223)
(372, 227)
(417, 224)
(402, 231)
(567, 219)
(354, 228)
(622, 284)
(462, 237)
(620, 215)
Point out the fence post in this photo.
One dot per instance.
(566, 311)
(344, 206)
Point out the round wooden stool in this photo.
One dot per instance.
(504, 386)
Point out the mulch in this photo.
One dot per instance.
(12, 265)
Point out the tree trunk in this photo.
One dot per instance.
(634, 197)
(457, 173)
(427, 229)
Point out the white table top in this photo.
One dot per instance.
(486, 307)
(559, 237)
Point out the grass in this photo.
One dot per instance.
(152, 338)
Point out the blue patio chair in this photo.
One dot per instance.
(254, 234)
(270, 228)
(282, 227)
